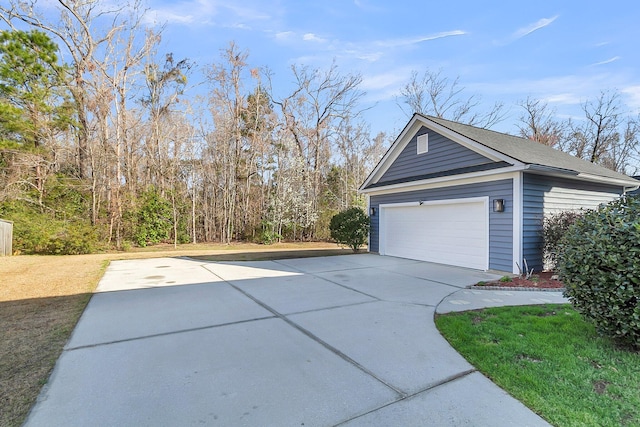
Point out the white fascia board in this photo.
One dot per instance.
(446, 181)
(584, 177)
(392, 153)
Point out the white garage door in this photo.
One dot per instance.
(447, 232)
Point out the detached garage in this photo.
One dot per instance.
(455, 194)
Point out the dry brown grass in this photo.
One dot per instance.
(42, 297)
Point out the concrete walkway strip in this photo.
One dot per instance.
(346, 340)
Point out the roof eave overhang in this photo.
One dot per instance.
(571, 174)
(445, 180)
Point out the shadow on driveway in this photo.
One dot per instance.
(344, 340)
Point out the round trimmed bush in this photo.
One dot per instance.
(600, 266)
(350, 227)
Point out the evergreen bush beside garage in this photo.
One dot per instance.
(600, 266)
(350, 227)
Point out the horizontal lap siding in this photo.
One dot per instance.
(443, 155)
(500, 224)
(545, 196)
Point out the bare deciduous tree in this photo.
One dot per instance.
(164, 84)
(538, 123)
(431, 93)
(607, 135)
(312, 115)
(591, 139)
(228, 105)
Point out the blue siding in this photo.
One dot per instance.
(548, 195)
(500, 224)
(443, 155)
(635, 192)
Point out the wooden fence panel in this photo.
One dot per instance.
(6, 238)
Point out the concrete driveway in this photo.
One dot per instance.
(346, 340)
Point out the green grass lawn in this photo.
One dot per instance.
(550, 359)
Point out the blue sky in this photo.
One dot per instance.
(561, 52)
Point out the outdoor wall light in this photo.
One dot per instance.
(498, 205)
(372, 211)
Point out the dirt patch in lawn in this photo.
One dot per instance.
(42, 298)
(545, 280)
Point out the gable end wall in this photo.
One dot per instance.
(443, 155)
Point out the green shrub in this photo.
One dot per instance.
(73, 239)
(267, 235)
(154, 219)
(600, 266)
(554, 228)
(43, 232)
(350, 227)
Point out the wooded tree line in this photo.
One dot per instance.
(104, 143)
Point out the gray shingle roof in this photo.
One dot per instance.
(528, 151)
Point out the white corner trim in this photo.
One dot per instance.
(382, 233)
(518, 212)
(368, 199)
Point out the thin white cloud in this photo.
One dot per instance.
(310, 37)
(570, 89)
(284, 35)
(161, 16)
(525, 31)
(247, 13)
(415, 40)
(562, 98)
(221, 13)
(393, 78)
(386, 85)
(365, 56)
(632, 95)
(369, 51)
(608, 61)
(367, 6)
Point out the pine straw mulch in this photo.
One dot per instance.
(542, 281)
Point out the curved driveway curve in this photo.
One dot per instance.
(346, 340)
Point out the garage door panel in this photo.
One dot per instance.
(451, 233)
